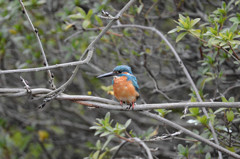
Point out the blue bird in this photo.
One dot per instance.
(125, 86)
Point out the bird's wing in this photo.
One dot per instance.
(134, 81)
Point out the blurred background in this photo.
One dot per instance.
(66, 28)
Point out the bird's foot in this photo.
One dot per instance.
(131, 105)
(121, 103)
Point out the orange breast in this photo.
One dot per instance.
(124, 90)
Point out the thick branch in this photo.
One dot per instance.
(99, 102)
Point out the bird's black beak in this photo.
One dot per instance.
(106, 75)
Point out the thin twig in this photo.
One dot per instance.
(50, 75)
(119, 148)
(165, 137)
(186, 131)
(145, 147)
(26, 86)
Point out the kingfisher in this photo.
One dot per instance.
(125, 86)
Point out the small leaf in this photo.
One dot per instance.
(98, 145)
(224, 99)
(183, 150)
(42, 135)
(203, 120)
(107, 117)
(219, 110)
(193, 22)
(95, 155)
(139, 9)
(208, 156)
(103, 155)
(230, 115)
(231, 99)
(86, 23)
(148, 50)
(194, 111)
(181, 17)
(110, 137)
(76, 16)
(195, 32)
(234, 27)
(99, 20)
(105, 134)
(231, 149)
(234, 20)
(128, 123)
(89, 14)
(81, 11)
(68, 26)
(173, 31)
(180, 36)
(95, 127)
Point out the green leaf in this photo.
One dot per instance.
(235, 20)
(97, 133)
(194, 111)
(184, 151)
(89, 14)
(76, 16)
(163, 112)
(224, 99)
(86, 23)
(195, 32)
(99, 20)
(181, 148)
(195, 21)
(219, 110)
(139, 9)
(95, 127)
(230, 115)
(96, 154)
(173, 31)
(203, 120)
(103, 155)
(98, 145)
(128, 123)
(105, 134)
(107, 117)
(234, 27)
(180, 36)
(231, 149)
(181, 17)
(231, 99)
(81, 11)
(208, 156)
(110, 137)
(193, 99)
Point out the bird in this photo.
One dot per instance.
(125, 85)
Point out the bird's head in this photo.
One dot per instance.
(117, 71)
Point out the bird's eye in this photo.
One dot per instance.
(119, 71)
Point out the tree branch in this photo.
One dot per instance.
(186, 131)
(145, 147)
(99, 102)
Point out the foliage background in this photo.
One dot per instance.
(61, 129)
